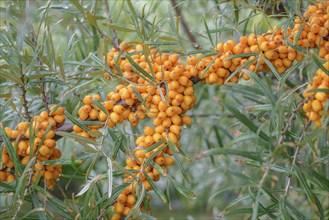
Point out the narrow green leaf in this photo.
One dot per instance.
(117, 145)
(223, 29)
(12, 77)
(6, 187)
(115, 193)
(109, 176)
(178, 160)
(139, 70)
(11, 151)
(319, 64)
(97, 60)
(159, 43)
(4, 107)
(100, 106)
(89, 142)
(139, 201)
(150, 159)
(91, 19)
(272, 68)
(58, 205)
(119, 27)
(267, 91)
(78, 5)
(207, 67)
(153, 146)
(208, 31)
(61, 67)
(308, 191)
(247, 122)
(227, 151)
(182, 189)
(155, 188)
(236, 13)
(76, 122)
(134, 14)
(245, 65)
(158, 168)
(139, 97)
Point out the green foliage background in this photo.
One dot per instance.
(240, 160)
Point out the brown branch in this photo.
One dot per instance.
(114, 40)
(286, 191)
(186, 27)
(27, 114)
(195, 79)
(292, 117)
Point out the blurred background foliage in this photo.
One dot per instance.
(56, 51)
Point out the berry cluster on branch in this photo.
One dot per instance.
(159, 86)
(42, 147)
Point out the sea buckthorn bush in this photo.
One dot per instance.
(110, 108)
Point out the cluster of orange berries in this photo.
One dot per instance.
(165, 98)
(276, 47)
(317, 107)
(43, 147)
(310, 31)
(159, 86)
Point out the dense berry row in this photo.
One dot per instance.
(43, 147)
(159, 86)
(276, 48)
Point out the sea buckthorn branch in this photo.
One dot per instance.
(160, 86)
(273, 53)
(186, 28)
(24, 100)
(37, 144)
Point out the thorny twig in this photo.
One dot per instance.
(281, 139)
(27, 114)
(292, 117)
(286, 191)
(186, 27)
(115, 40)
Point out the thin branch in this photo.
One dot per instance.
(286, 191)
(27, 114)
(185, 25)
(292, 117)
(114, 40)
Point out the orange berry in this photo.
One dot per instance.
(50, 143)
(187, 120)
(59, 119)
(148, 130)
(87, 100)
(116, 216)
(316, 105)
(169, 161)
(321, 96)
(114, 117)
(83, 115)
(119, 207)
(131, 200)
(44, 150)
(175, 129)
(122, 198)
(58, 111)
(118, 109)
(2, 175)
(10, 178)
